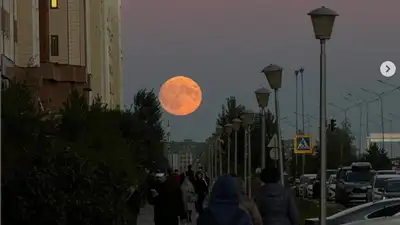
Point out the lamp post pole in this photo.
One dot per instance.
(245, 125)
(236, 126)
(323, 20)
(228, 130)
(262, 95)
(302, 114)
(297, 117)
(248, 119)
(274, 77)
(380, 96)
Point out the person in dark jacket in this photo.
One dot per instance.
(276, 203)
(190, 174)
(201, 189)
(224, 208)
(166, 197)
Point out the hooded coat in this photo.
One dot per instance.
(276, 205)
(223, 208)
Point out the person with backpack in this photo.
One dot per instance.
(223, 208)
(276, 203)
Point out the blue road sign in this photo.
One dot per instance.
(303, 144)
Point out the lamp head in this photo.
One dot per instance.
(236, 124)
(301, 70)
(248, 117)
(262, 95)
(274, 75)
(228, 128)
(322, 20)
(219, 130)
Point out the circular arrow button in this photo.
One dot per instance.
(388, 69)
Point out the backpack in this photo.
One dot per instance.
(208, 218)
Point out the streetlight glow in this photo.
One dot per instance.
(322, 20)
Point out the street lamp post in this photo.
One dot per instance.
(236, 126)
(262, 96)
(228, 130)
(296, 73)
(380, 96)
(245, 126)
(215, 155)
(322, 21)
(303, 159)
(249, 120)
(219, 130)
(274, 77)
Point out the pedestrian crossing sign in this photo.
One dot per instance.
(303, 144)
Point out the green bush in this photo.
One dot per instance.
(74, 167)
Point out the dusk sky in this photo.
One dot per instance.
(224, 44)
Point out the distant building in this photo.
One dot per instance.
(184, 153)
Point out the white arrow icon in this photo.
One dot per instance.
(388, 69)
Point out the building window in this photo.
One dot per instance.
(54, 4)
(54, 45)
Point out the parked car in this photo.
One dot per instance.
(376, 192)
(392, 188)
(370, 210)
(305, 180)
(394, 220)
(331, 187)
(329, 172)
(383, 172)
(353, 187)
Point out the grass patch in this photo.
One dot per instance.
(310, 209)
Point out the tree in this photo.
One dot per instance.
(232, 110)
(73, 167)
(339, 150)
(378, 158)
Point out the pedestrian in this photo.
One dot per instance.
(166, 197)
(247, 203)
(201, 188)
(223, 208)
(276, 203)
(256, 182)
(190, 174)
(189, 197)
(133, 201)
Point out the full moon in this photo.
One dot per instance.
(180, 96)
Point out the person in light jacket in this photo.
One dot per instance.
(247, 204)
(189, 197)
(276, 203)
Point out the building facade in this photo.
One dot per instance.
(48, 44)
(181, 154)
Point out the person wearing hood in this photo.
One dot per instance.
(189, 197)
(275, 203)
(247, 203)
(224, 208)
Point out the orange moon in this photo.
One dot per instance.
(180, 96)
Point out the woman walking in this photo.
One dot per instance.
(189, 197)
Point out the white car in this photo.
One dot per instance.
(378, 184)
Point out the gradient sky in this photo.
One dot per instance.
(224, 44)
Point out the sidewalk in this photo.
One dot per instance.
(146, 216)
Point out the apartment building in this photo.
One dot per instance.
(59, 45)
